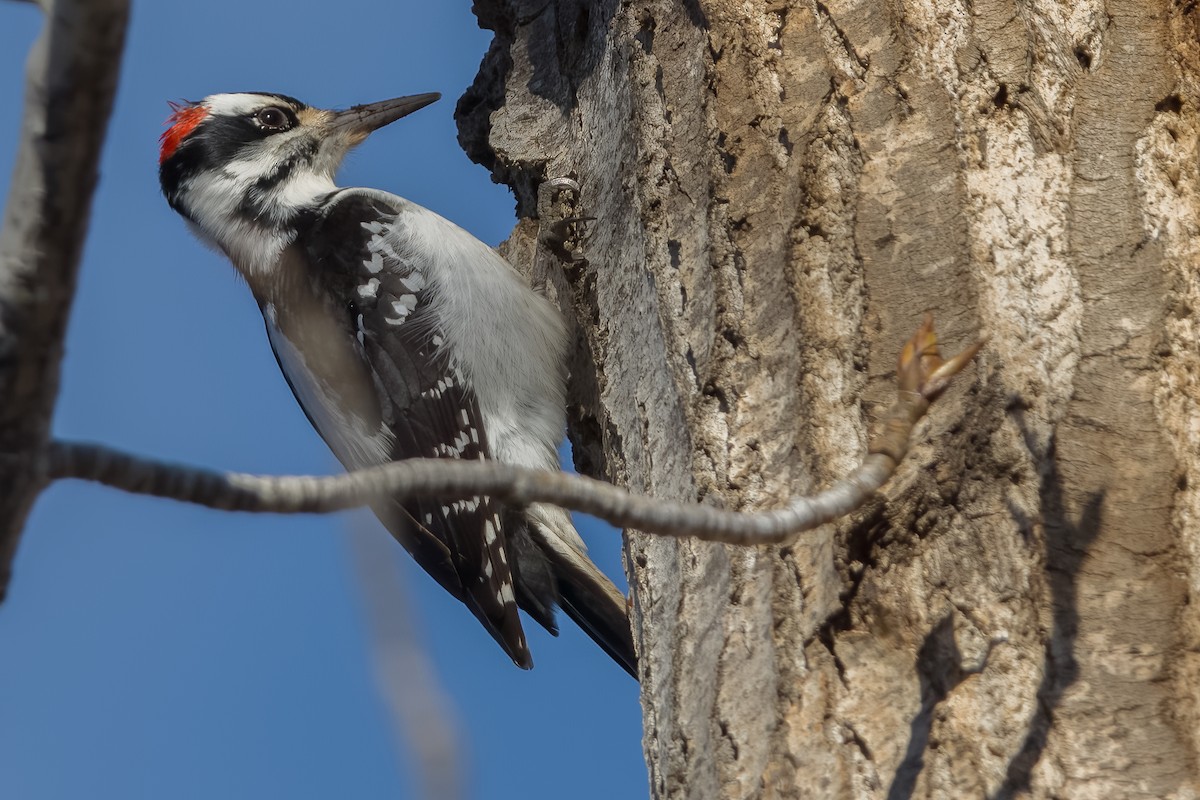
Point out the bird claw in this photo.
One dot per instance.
(559, 198)
(562, 184)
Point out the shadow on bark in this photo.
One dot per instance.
(1067, 545)
(939, 662)
(939, 669)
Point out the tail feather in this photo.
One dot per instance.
(601, 617)
(583, 591)
(533, 575)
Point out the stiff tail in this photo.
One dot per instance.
(601, 616)
(583, 591)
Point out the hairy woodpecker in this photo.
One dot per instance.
(401, 335)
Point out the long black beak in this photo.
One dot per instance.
(358, 121)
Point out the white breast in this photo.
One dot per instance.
(355, 443)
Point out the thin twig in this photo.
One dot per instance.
(922, 377)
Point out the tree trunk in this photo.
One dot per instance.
(781, 189)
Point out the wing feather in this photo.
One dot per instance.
(378, 383)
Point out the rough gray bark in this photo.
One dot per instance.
(71, 80)
(778, 186)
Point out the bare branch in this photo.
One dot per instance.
(451, 479)
(71, 79)
(922, 375)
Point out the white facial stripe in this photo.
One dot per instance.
(303, 190)
(251, 248)
(236, 104)
(210, 198)
(252, 162)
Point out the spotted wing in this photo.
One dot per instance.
(359, 249)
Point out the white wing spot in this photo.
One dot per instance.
(369, 289)
(489, 532)
(380, 244)
(414, 281)
(438, 340)
(439, 388)
(466, 505)
(375, 264)
(463, 414)
(373, 227)
(487, 568)
(403, 307)
(505, 594)
(474, 436)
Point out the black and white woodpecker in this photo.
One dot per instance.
(401, 335)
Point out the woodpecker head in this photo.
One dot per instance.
(244, 169)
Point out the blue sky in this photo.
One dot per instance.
(152, 649)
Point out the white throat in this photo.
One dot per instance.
(252, 240)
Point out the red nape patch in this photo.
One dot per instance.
(183, 120)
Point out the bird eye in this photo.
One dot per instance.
(272, 118)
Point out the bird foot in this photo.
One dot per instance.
(561, 228)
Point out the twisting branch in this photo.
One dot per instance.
(922, 376)
(71, 79)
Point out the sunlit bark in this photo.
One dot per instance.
(779, 187)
